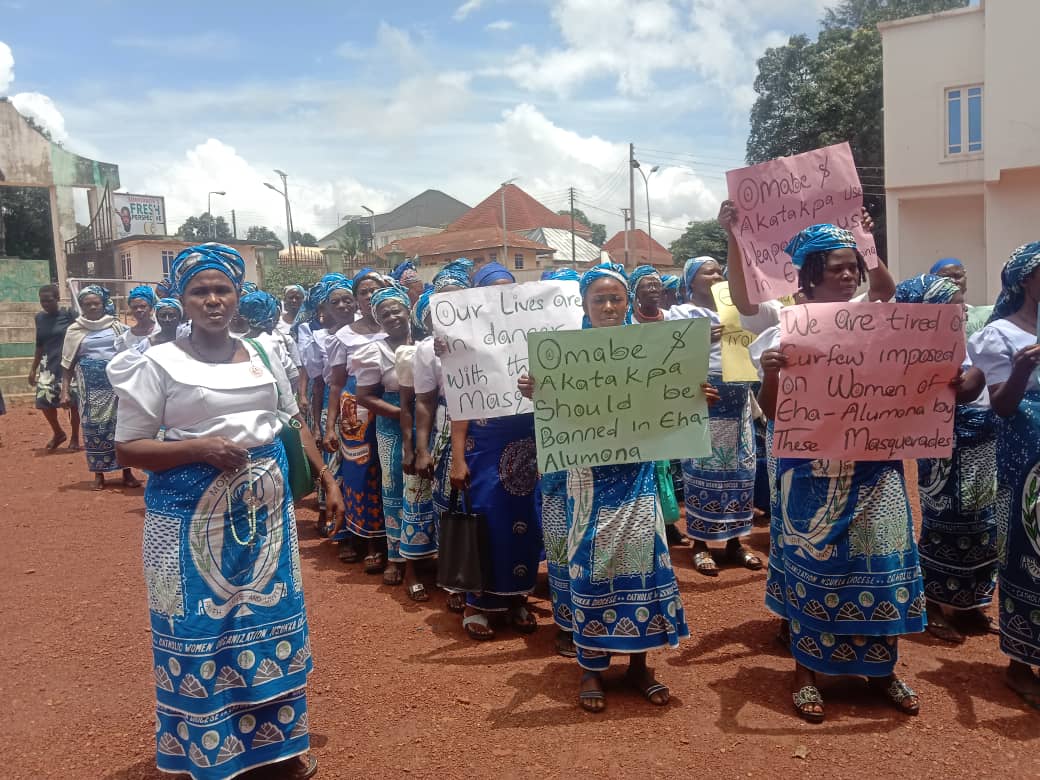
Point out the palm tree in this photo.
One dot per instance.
(349, 243)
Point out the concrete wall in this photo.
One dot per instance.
(20, 280)
(1012, 211)
(146, 259)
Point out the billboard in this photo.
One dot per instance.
(138, 215)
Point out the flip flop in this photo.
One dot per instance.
(585, 698)
(521, 619)
(649, 689)
(805, 696)
(480, 619)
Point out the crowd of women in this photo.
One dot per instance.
(202, 388)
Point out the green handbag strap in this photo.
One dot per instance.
(267, 362)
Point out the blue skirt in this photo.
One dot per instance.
(229, 629)
(719, 490)
(851, 575)
(1018, 521)
(553, 489)
(97, 411)
(359, 474)
(418, 516)
(388, 437)
(500, 454)
(959, 529)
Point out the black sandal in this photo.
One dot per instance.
(564, 643)
(805, 696)
(521, 619)
(375, 563)
(899, 694)
(649, 687)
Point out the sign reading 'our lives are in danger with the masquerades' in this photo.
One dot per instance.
(485, 332)
(778, 198)
(868, 381)
(606, 396)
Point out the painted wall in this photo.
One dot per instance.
(1012, 209)
(146, 258)
(20, 280)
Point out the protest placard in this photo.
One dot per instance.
(736, 362)
(778, 198)
(868, 381)
(621, 395)
(485, 330)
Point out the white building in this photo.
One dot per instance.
(962, 139)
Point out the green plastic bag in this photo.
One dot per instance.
(666, 492)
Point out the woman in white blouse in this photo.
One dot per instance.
(221, 555)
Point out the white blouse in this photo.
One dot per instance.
(128, 339)
(687, 311)
(313, 355)
(376, 364)
(992, 349)
(166, 388)
(404, 364)
(275, 349)
(426, 367)
(342, 345)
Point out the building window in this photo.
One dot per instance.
(128, 266)
(963, 121)
(167, 261)
(518, 262)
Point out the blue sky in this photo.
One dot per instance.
(370, 103)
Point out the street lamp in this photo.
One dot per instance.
(371, 230)
(505, 240)
(209, 210)
(284, 192)
(649, 232)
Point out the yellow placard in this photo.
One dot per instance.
(736, 361)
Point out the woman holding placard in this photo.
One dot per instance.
(844, 567)
(1007, 352)
(495, 461)
(719, 490)
(958, 541)
(624, 595)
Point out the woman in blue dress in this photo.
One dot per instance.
(847, 575)
(958, 542)
(623, 596)
(90, 342)
(1007, 353)
(494, 460)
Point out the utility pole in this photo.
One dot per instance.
(573, 258)
(624, 212)
(234, 225)
(631, 193)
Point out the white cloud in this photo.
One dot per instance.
(42, 109)
(502, 25)
(6, 67)
(466, 9)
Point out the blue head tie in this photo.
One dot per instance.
(393, 293)
(563, 275)
(946, 262)
(639, 274)
(927, 288)
(297, 287)
(207, 257)
(145, 293)
(260, 309)
(491, 273)
(419, 309)
(604, 270)
(690, 269)
(164, 287)
(818, 238)
(363, 273)
(100, 292)
(1020, 265)
(169, 303)
(249, 287)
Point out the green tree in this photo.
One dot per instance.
(205, 228)
(304, 239)
(599, 232)
(816, 93)
(265, 234)
(703, 237)
(278, 277)
(349, 243)
(26, 216)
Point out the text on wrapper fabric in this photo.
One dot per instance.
(868, 381)
(486, 331)
(620, 395)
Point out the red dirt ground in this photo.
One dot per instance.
(400, 691)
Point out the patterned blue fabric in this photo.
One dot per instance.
(851, 575)
(719, 490)
(388, 438)
(418, 519)
(164, 287)
(440, 451)
(604, 270)
(361, 274)
(144, 292)
(490, 273)
(958, 542)
(385, 294)
(169, 303)
(926, 288)
(561, 275)
(690, 269)
(206, 257)
(405, 273)
(500, 454)
(670, 282)
(229, 630)
(260, 309)
(1020, 265)
(623, 593)
(97, 410)
(454, 274)
(946, 262)
(553, 489)
(422, 305)
(359, 473)
(1018, 463)
(249, 287)
(640, 273)
(818, 238)
(102, 293)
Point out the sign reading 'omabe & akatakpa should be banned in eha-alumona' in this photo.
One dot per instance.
(868, 381)
(606, 396)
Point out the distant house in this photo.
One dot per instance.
(642, 250)
(522, 212)
(427, 213)
(585, 252)
(481, 245)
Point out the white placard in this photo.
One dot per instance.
(486, 333)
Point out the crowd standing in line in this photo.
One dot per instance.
(355, 364)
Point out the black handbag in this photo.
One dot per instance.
(301, 482)
(464, 552)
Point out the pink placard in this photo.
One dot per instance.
(868, 381)
(778, 198)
